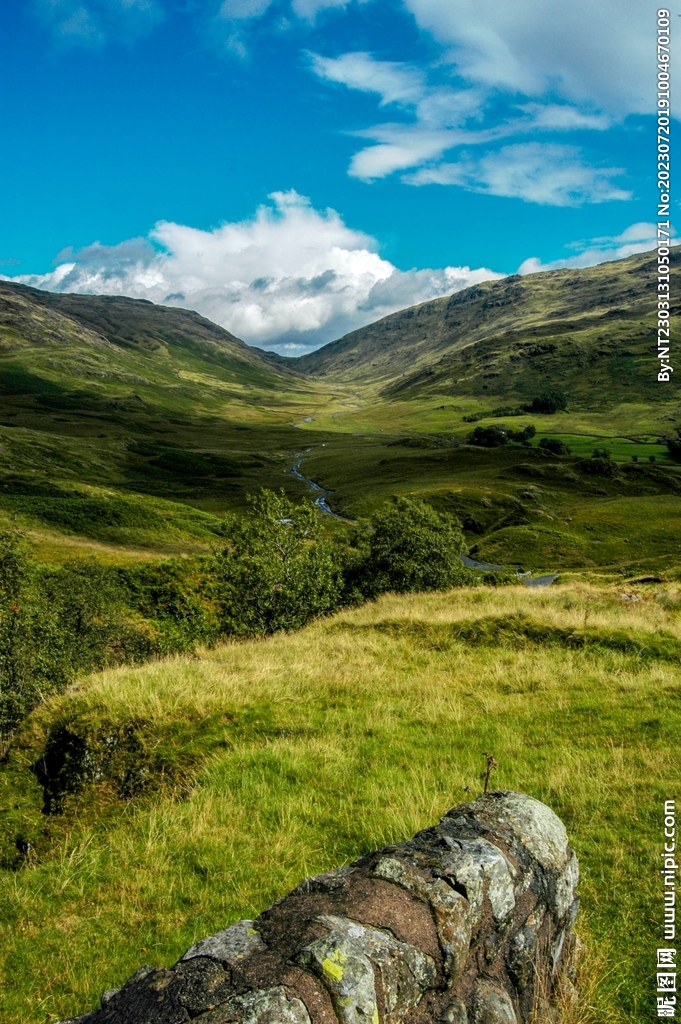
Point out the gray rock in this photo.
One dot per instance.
(451, 910)
(566, 883)
(472, 863)
(108, 995)
(486, 898)
(534, 824)
(263, 1006)
(492, 1004)
(346, 960)
(348, 975)
(229, 946)
(455, 1012)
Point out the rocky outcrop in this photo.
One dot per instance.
(469, 922)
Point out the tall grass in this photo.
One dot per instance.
(279, 758)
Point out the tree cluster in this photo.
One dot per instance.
(275, 572)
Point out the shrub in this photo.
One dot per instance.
(488, 437)
(549, 402)
(412, 547)
(276, 573)
(554, 445)
(523, 436)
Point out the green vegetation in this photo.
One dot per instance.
(274, 572)
(197, 791)
(145, 806)
(128, 430)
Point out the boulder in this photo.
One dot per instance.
(469, 922)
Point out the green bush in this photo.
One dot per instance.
(412, 547)
(488, 437)
(554, 445)
(548, 402)
(276, 572)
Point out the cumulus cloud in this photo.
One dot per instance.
(547, 174)
(586, 53)
(639, 237)
(89, 23)
(291, 278)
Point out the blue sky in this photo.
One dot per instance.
(296, 168)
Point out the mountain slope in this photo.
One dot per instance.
(101, 392)
(129, 326)
(587, 330)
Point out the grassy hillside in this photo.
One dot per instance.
(116, 402)
(206, 788)
(128, 429)
(591, 330)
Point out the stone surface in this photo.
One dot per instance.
(264, 1006)
(492, 1005)
(229, 946)
(455, 926)
(348, 960)
(450, 909)
(535, 825)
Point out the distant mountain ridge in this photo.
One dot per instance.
(133, 325)
(590, 327)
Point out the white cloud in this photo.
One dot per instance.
(395, 82)
(89, 23)
(561, 117)
(640, 237)
(542, 173)
(242, 9)
(307, 10)
(597, 54)
(290, 276)
(400, 146)
(444, 119)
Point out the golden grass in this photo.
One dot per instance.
(311, 748)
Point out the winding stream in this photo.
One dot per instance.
(323, 506)
(320, 501)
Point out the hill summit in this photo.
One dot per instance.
(591, 330)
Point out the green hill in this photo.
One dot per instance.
(196, 791)
(100, 393)
(591, 330)
(128, 429)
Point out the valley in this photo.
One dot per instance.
(209, 766)
(128, 430)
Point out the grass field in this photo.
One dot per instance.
(262, 762)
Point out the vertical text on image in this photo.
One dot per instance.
(664, 367)
(666, 955)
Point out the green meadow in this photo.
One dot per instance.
(262, 762)
(128, 432)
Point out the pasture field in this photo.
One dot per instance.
(237, 773)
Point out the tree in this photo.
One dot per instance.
(488, 437)
(276, 573)
(548, 402)
(554, 445)
(412, 548)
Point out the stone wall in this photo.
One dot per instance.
(469, 922)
